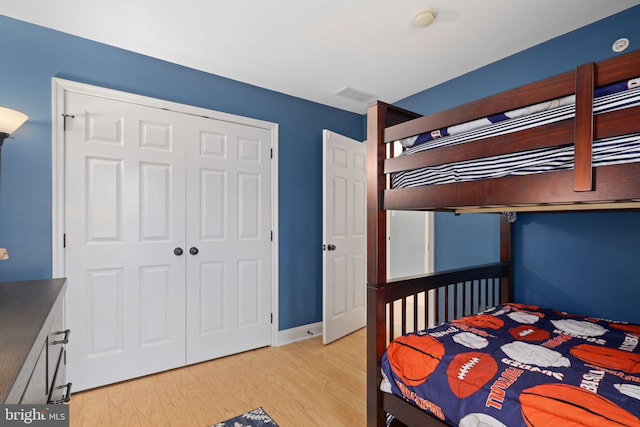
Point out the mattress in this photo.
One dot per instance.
(517, 365)
(612, 151)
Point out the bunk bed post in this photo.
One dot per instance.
(376, 184)
(376, 259)
(379, 116)
(506, 246)
(376, 344)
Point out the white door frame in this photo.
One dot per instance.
(62, 86)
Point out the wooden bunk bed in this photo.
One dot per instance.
(469, 291)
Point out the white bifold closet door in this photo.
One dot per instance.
(229, 222)
(167, 230)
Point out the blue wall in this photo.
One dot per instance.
(581, 263)
(577, 262)
(32, 55)
(465, 240)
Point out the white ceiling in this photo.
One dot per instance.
(314, 48)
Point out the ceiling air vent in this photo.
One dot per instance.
(356, 95)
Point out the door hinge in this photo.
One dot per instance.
(272, 318)
(271, 152)
(64, 120)
(64, 240)
(272, 235)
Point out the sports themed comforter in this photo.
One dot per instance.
(518, 365)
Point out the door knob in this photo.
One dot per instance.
(178, 251)
(193, 251)
(331, 247)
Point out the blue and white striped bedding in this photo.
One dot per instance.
(605, 152)
(599, 93)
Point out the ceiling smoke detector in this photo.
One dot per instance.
(620, 45)
(424, 18)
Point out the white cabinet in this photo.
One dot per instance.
(33, 363)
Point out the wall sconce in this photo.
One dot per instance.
(10, 121)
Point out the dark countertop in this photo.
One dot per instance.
(26, 315)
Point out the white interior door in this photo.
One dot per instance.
(229, 218)
(344, 236)
(124, 217)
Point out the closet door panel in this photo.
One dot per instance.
(104, 323)
(155, 202)
(104, 199)
(155, 294)
(213, 185)
(124, 216)
(249, 289)
(249, 200)
(229, 217)
(211, 293)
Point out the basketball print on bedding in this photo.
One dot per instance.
(609, 358)
(413, 358)
(561, 404)
(624, 327)
(469, 372)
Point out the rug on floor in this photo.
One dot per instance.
(256, 418)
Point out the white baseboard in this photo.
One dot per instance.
(298, 333)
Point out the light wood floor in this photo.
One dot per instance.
(300, 384)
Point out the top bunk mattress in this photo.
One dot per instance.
(611, 151)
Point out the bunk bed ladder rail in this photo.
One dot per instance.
(583, 128)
